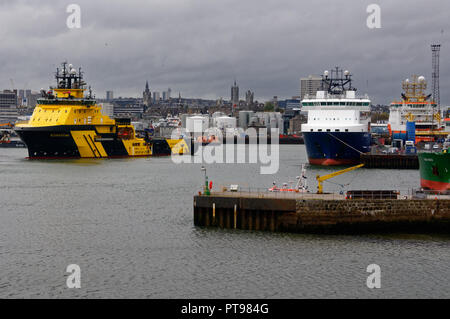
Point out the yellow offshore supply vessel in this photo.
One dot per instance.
(68, 124)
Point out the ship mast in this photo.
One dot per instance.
(69, 81)
(69, 78)
(339, 81)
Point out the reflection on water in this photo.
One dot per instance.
(128, 224)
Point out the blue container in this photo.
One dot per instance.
(411, 131)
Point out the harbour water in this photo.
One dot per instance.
(128, 224)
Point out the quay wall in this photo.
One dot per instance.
(390, 161)
(317, 216)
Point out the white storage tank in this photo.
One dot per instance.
(225, 122)
(244, 118)
(183, 118)
(197, 123)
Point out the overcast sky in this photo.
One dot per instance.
(198, 47)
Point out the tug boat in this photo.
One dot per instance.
(66, 123)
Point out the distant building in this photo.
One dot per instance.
(109, 95)
(21, 98)
(275, 101)
(235, 94)
(295, 124)
(293, 118)
(8, 106)
(130, 110)
(261, 120)
(147, 96)
(32, 99)
(249, 96)
(293, 104)
(27, 97)
(108, 109)
(156, 97)
(309, 85)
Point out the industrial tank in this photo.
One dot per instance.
(197, 123)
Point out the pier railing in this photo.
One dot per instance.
(404, 194)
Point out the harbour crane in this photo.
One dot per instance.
(321, 179)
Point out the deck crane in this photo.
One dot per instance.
(321, 179)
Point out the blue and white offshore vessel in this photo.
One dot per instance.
(338, 127)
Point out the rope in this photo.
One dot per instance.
(345, 143)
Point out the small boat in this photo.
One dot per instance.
(10, 142)
(300, 187)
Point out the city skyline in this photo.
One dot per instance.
(198, 48)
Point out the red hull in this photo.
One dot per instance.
(437, 186)
(331, 162)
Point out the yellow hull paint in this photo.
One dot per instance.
(178, 146)
(87, 146)
(137, 147)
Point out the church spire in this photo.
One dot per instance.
(147, 95)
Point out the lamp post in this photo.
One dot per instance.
(205, 187)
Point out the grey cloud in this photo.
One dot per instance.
(199, 47)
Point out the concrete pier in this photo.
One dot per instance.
(390, 161)
(328, 213)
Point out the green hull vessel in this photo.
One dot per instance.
(435, 171)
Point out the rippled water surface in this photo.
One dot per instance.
(128, 225)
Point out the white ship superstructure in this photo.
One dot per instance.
(415, 106)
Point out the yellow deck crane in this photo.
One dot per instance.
(320, 179)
